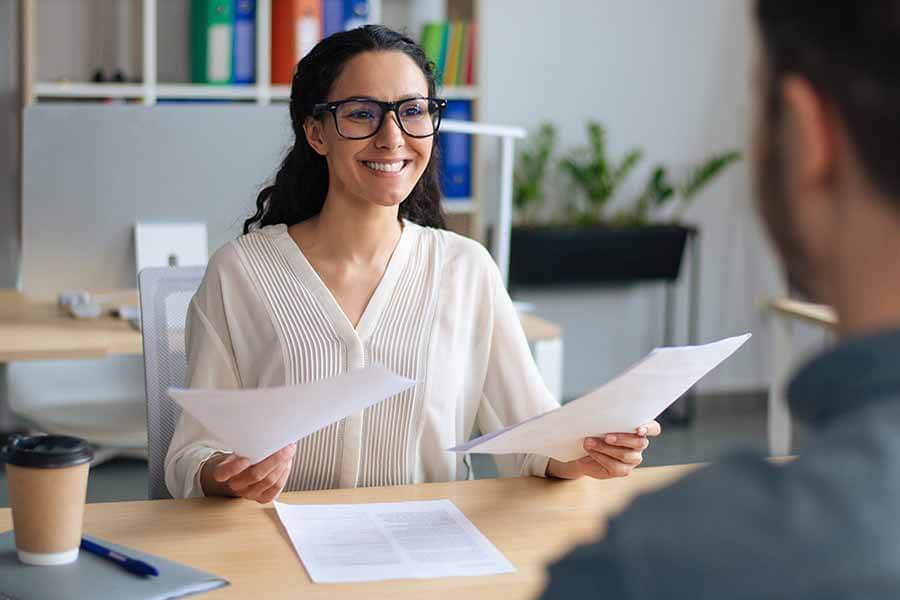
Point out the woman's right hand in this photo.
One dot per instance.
(233, 475)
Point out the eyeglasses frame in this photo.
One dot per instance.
(387, 107)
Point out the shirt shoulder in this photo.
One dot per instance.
(459, 254)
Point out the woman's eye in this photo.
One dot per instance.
(412, 111)
(361, 115)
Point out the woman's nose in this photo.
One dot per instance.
(391, 135)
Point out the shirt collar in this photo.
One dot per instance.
(857, 373)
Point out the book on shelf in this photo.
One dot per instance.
(296, 28)
(332, 16)
(451, 47)
(244, 54)
(456, 154)
(356, 13)
(433, 43)
(298, 25)
(212, 30)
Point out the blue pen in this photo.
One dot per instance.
(138, 567)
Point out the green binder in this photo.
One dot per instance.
(434, 42)
(212, 34)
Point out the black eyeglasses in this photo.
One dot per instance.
(361, 118)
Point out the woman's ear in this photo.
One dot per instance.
(315, 135)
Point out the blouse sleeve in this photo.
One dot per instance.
(211, 365)
(514, 389)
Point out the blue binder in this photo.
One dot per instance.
(244, 50)
(332, 16)
(356, 13)
(456, 153)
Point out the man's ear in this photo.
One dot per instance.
(813, 131)
(315, 135)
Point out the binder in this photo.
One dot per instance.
(296, 28)
(451, 62)
(456, 153)
(432, 43)
(212, 25)
(460, 78)
(470, 58)
(332, 17)
(244, 57)
(356, 13)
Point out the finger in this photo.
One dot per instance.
(624, 440)
(268, 486)
(623, 455)
(593, 469)
(609, 467)
(273, 492)
(261, 470)
(230, 466)
(651, 429)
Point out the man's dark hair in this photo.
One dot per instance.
(849, 50)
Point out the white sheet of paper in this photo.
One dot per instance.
(397, 540)
(635, 397)
(257, 422)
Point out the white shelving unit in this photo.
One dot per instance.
(150, 91)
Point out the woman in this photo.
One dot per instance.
(346, 262)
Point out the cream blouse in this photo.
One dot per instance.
(439, 316)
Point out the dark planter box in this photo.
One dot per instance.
(559, 256)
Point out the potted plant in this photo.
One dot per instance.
(592, 245)
(530, 173)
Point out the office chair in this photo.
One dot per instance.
(165, 295)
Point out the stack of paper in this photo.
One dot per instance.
(257, 422)
(630, 400)
(399, 540)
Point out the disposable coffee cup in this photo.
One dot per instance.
(47, 477)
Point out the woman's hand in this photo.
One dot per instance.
(232, 475)
(612, 455)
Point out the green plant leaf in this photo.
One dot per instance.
(531, 171)
(594, 174)
(700, 176)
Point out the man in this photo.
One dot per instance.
(828, 168)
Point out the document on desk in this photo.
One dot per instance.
(257, 422)
(398, 540)
(635, 397)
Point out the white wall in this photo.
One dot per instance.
(670, 76)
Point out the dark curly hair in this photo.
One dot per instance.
(301, 183)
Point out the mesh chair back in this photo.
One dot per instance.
(165, 295)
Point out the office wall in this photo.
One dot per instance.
(672, 77)
(169, 162)
(9, 142)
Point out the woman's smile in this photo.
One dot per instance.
(386, 168)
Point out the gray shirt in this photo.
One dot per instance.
(823, 526)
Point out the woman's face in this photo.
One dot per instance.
(384, 168)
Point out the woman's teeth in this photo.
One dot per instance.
(391, 167)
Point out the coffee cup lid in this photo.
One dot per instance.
(46, 451)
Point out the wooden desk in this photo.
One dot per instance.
(817, 314)
(786, 311)
(532, 521)
(39, 330)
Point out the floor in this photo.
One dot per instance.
(720, 422)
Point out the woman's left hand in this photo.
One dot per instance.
(608, 456)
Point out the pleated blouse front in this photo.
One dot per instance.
(439, 316)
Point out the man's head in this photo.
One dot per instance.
(828, 132)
